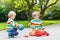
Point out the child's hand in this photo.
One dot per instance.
(15, 25)
(29, 24)
(42, 29)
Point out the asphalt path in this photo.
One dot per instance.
(54, 31)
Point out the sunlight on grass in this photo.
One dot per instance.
(2, 26)
(49, 22)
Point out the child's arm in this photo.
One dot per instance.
(40, 23)
(29, 24)
(13, 23)
(9, 21)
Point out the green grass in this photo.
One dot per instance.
(50, 22)
(25, 23)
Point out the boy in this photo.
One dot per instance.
(36, 23)
(11, 27)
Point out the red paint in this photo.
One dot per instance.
(26, 36)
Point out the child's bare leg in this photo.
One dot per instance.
(32, 33)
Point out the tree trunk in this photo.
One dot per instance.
(29, 13)
(42, 13)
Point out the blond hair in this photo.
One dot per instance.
(35, 13)
(11, 13)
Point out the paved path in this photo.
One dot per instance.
(54, 31)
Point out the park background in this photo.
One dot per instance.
(49, 10)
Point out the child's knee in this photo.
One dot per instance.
(15, 33)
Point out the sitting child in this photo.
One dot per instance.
(36, 23)
(11, 27)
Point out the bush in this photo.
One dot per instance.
(21, 16)
(55, 14)
(3, 14)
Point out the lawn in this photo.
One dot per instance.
(25, 23)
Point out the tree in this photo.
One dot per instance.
(25, 6)
(44, 5)
(29, 4)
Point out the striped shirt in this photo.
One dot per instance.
(10, 24)
(36, 23)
